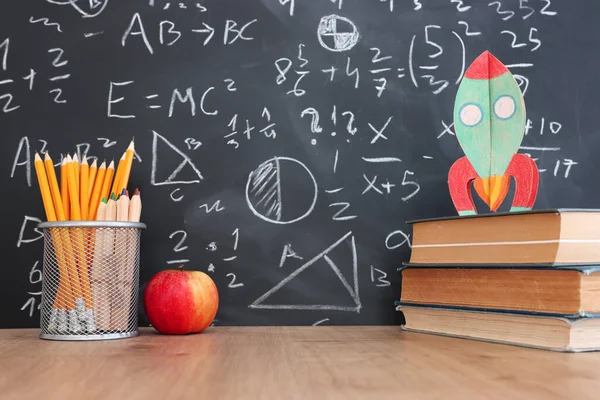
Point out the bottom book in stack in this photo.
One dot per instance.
(554, 308)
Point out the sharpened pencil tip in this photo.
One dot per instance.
(104, 200)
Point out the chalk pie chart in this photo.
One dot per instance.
(337, 33)
(281, 190)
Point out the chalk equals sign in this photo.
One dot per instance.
(90, 34)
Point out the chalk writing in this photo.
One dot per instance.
(22, 239)
(291, 3)
(4, 49)
(315, 127)
(232, 32)
(232, 284)
(176, 198)
(23, 149)
(553, 127)
(179, 246)
(287, 253)
(177, 97)
(393, 245)
(35, 277)
(267, 130)
(381, 281)
(342, 207)
(216, 206)
(90, 34)
(46, 22)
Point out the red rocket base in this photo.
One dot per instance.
(493, 189)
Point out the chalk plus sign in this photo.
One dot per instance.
(387, 186)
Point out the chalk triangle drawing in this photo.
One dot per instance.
(350, 285)
(185, 162)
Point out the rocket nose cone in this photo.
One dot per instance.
(485, 66)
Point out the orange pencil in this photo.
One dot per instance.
(46, 191)
(44, 188)
(76, 169)
(84, 190)
(118, 176)
(110, 172)
(66, 266)
(79, 242)
(54, 190)
(64, 188)
(129, 153)
(97, 192)
(92, 178)
(73, 190)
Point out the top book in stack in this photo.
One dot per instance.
(551, 237)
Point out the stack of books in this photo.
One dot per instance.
(528, 278)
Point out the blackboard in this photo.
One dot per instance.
(281, 144)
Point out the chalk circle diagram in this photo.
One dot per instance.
(277, 182)
(337, 33)
(87, 8)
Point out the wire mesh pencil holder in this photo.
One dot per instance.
(90, 280)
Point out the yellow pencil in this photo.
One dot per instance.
(118, 176)
(75, 213)
(44, 188)
(129, 153)
(110, 172)
(51, 217)
(97, 192)
(79, 242)
(92, 179)
(84, 191)
(64, 188)
(76, 170)
(62, 241)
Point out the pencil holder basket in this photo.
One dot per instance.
(90, 280)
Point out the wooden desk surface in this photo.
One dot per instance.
(289, 363)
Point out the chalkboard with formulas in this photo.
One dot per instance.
(281, 145)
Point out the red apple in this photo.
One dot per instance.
(180, 301)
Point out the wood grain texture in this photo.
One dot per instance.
(289, 363)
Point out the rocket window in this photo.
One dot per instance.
(470, 114)
(504, 107)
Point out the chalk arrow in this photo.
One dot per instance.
(95, 4)
(209, 29)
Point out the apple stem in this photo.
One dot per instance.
(181, 267)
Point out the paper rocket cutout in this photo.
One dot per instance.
(489, 122)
